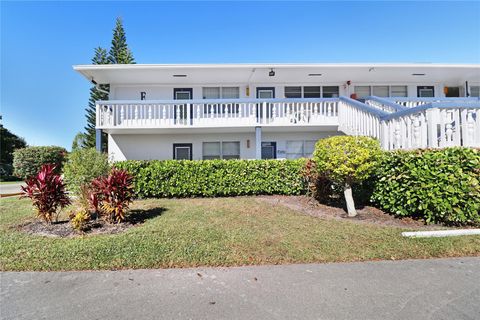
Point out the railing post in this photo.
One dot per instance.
(264, 112)
(432, 132)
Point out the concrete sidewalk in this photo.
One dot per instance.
(11, 188)
(415, 289)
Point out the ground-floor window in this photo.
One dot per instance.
(381, 91)
(300, 149)
(221, 150)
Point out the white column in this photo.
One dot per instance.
(258, 143)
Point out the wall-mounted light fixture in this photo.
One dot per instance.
(247, 91)
(271, 73)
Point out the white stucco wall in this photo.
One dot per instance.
(160, 146)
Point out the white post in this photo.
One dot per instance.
(258, 143)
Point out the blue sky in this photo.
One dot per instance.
(43, 99)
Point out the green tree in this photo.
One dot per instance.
(119, 54)
(346, 160)
(100, 57)
(9, 142)
(79, 141)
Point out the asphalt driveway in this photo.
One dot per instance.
(11, 188)
(415, 289)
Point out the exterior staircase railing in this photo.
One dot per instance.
(434, 124)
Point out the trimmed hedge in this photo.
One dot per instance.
(28, 161)
(440, 186)
(210, 178)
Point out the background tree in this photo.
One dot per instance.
(119, 54)
(9, 142)
(79, 142)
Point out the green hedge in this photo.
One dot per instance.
(436, 185)
(210, 178)
(28, 161)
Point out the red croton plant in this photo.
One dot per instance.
(47, 191)
(112, 195)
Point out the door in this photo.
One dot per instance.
(182, 151)
(264, 93)
(269, 150)
(425, 92)
(180, 110)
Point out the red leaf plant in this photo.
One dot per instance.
(113, 194)
(47, 191)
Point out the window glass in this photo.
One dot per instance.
(331, 92)
(362, 91)
(230, 92)
(380, 91)
(309, 147)
(293, 92)
(311, 92)
(231, 150)
(211, 150)
(399, 91)
(211, 92)
(475, 91)
(294, 149)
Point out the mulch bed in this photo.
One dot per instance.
(63, 229)
(366, 214)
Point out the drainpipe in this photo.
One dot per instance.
(97, 86)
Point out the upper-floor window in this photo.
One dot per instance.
(475, 91)
(311, 91)
(221, 92)
(221, 150)
(381, 91)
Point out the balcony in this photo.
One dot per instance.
(216, 113)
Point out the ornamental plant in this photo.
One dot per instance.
(113, 194)
(47, 191)
(346, 160)
(82, 167)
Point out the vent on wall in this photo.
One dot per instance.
(179, 75)
(418, 74)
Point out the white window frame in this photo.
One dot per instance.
(221, 155)
(303, 153)
(370, 88)
(302, 91)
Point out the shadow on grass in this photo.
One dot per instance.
(141, 215)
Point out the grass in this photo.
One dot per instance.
(215, 232)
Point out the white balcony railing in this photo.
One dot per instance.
(216, 113)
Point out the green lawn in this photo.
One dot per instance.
(215, 232)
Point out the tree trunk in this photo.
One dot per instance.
(347, 191)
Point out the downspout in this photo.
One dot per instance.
(97, 86)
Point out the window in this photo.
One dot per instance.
(362, 91)
(221, 150)
(299, 149)
(221, 92)
(293, 92)
(475, 91)
(380, 91)
(398, 91)
(331, 92)
(311, 92)
(182, 151)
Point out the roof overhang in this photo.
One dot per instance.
(284, 73)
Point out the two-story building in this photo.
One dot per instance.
(252, 111)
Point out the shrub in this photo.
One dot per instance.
(113, 193)
(47, 192)
(435, 185)
(83, 210)
(212, 178)
(28, 161)
(346, 160)
(82, 167)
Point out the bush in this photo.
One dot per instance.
(83, 166)
(435, 185)
(28, 161)
(113, 194)
(211, 178)
(346, 160)
(47, 192)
